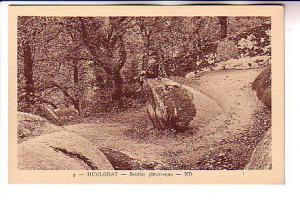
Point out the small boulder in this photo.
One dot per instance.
(61, 151)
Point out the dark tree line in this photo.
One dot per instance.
(91, 63)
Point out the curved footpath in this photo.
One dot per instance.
(224, 143)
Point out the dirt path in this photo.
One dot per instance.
(224, 143)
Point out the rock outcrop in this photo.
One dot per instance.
(261, 158)
(262, 86)
(171, 105)
(61, 151)
(30, 126)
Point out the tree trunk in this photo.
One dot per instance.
(28, 74)
(75, 73)
(146, 40)
(223, 24)
(118, 89)
(111, 65)
(76, 106)
(116, 76)
(99, 78)
(145, 58)
(75, 100)
(160, 60)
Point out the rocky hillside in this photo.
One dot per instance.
(262, 155)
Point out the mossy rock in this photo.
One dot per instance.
(30, 126)
(175, 106)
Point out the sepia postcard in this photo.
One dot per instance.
(146, 94)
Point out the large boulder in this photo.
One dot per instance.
(261, 158)
(30, 126)
(45, 111)
(61, 151)
(262, 86)
(171, 105)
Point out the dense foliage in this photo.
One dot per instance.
(91, 63)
